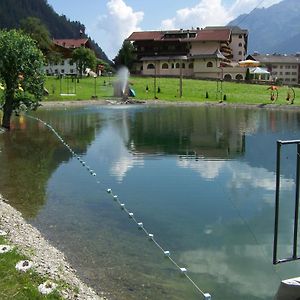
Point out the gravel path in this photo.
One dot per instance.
(47, 260)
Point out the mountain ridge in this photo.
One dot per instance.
(281, 31)
(59, 26)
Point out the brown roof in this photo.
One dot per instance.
(145, 36)
(201, 35)
(70, 43)
(213, 35)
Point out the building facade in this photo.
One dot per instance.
(64, 65)
(282, 67)
(212, 52)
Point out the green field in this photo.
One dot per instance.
(166, 89)
(192, 90)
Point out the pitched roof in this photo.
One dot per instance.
(145, 35)
(199, 35)
(276, 58)
(70, 43)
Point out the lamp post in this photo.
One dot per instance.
(95, 87)
(155, 74)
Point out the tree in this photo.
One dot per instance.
(37, 31)
(84, 58)
(21, 73)
(125, 56)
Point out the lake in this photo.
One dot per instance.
(201, 179)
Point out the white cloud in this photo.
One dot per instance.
(212, 12)
(119, 22)
(206, 12)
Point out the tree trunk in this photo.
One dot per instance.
(7, 110)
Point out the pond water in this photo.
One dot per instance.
(201, 179)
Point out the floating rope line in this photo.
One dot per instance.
(130, 214)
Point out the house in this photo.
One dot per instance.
(285, 68)
(65, 47)
(212, 52)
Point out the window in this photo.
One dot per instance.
(239, 77)
(274, 67)
(62, 71)
(150, 66)
(287, 73)
(173, 66)
(71, 63)
(281, 67)
(191, 65)
(62, 63)
(294, 73)
(227, 77)
(287, 67)
(71, 71)
(209, 64)
(165, 66)
(177, 65)
(240, 45)
(183, 65)
(240, 52)
(240, 36)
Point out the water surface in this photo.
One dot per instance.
(200, 178)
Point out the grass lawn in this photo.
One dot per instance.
(19, 285)
(193, 90)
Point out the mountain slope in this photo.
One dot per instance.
(273, 29)
(12, 11)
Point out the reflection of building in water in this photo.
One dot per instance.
(202, 132)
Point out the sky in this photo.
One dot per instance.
(109, 22)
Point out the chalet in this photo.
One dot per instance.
(212, 52)
(282, 67)
(65, 47)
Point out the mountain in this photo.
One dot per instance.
(13, 11)
(273, 29)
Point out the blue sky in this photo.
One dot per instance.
(109, 22)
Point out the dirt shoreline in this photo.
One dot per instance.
(78, 103)
(47, 260)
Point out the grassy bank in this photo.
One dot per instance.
(166, 89)
(19, 285)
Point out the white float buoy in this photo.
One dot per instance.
(130, 215)
(167, 253)
(150, 235)
(183, 270)
(122, 205)
(140, 225)
(207, 296)
(115, 197)
(108, 190)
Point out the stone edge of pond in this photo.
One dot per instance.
(72, 103)
(48, 261)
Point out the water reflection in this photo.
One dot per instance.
(202, 180)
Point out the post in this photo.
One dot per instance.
(180, 79)
(296, 204)
(276, 202)
(155, 81)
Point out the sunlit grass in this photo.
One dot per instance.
(19, 285)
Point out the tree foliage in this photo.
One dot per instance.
(125, 56)
(84, 58)
(37, 31)
(21, 73)
(59, 26)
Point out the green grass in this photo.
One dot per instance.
(193, 90)
(19, 285)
